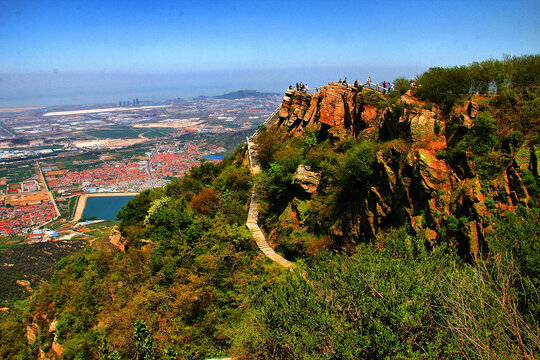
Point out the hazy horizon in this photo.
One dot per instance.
(75, 52)
(78, 88)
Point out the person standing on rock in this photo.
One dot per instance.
(368, 82)
(356, 83)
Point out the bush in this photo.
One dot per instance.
(443, 86)
(483, 134)
(376, 304)
(401, 86)
(266, 145)
(480, 309)
(356, 169)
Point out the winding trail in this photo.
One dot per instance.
(252, 219)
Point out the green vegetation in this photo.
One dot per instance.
(33, 263)
(7, 242)
(445, 86)
(401, 86)
(18, 172)
(403, 250)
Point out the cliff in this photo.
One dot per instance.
(419, 178)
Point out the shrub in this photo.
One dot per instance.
(401, 86)
(444, 86)
(480, 310)
(377, 304)
(483, 134)
(266, 145)
(357, 168)
(490, 203)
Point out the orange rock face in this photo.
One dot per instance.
(411, 183)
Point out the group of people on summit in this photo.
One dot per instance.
(384, 87)
(300, 87)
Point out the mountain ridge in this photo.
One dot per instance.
(411, 219)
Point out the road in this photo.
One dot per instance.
(6, 129)
(150, 159)
(51, 196)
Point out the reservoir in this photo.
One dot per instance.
(213, 157)
(105, 207)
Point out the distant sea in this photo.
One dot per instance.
(50, 89)
(63, 88)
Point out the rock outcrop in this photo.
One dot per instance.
(305, 179)
(412, 182)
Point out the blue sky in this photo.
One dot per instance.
(313, 37)
(178, 36)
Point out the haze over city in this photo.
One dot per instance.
(62, 52)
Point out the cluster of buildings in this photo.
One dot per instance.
(26, 186)
(17, 220)
(105, 176)
(168, 162)
(42, 235)
(22, 153)
(58, 133)
(175, 162)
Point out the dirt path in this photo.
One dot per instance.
(253, 214)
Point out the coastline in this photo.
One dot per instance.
(82, 201)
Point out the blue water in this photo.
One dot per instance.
(213, 157)
(104, 208)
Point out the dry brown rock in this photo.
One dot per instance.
(410, 185)
(31, 332)
(115, 238)
(305, 179)
(422, 125)
(332, 107)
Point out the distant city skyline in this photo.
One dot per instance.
(215, 46)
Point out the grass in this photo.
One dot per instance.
(11, 242)
(16, 172)
(72, 204)
(35, 262)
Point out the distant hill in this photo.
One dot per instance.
(241, 94)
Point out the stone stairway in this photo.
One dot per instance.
(253, 215)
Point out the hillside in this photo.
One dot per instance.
(410, 218)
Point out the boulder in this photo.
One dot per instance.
(422, 125)
(332, 108)
(305, 179)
